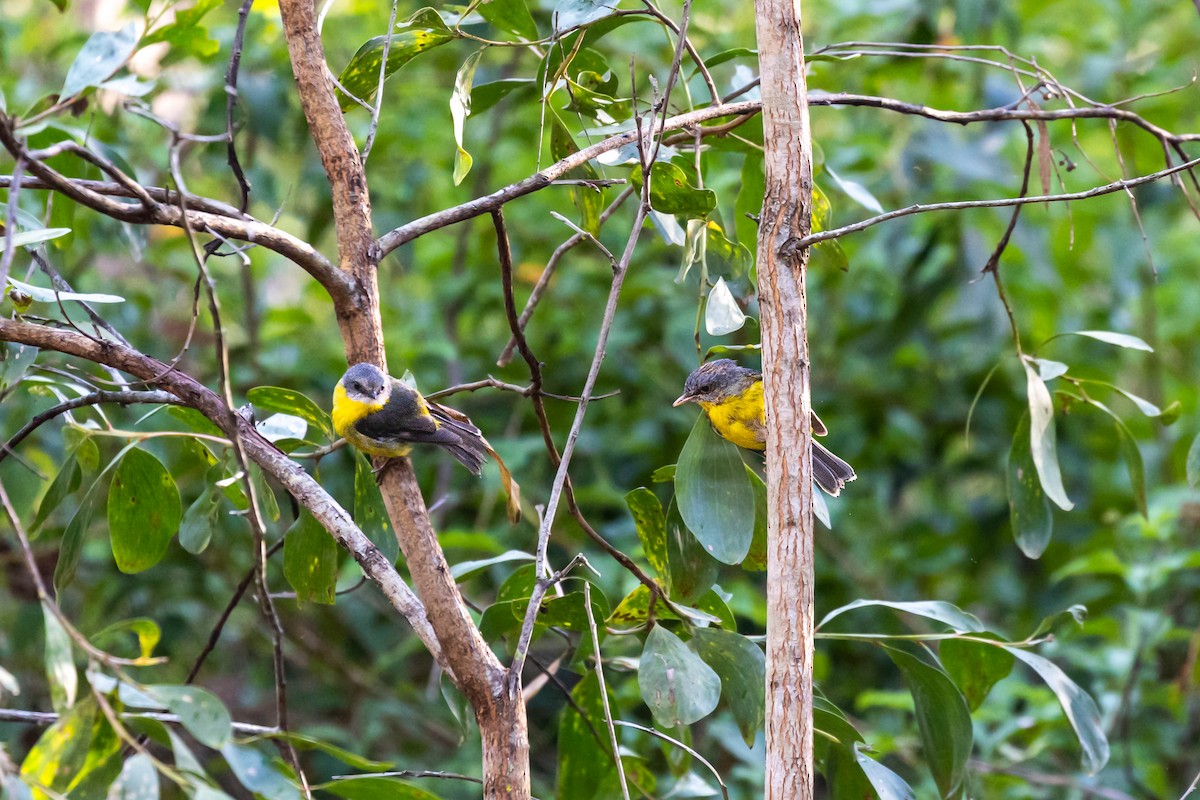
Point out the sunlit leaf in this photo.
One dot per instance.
(460, 109)
(569, 14)
(510, 16)
(29, 239)
(258, 773)
(651, 526)
(41, 295)
(288, 401)
(1119, 339)
(360, 78)
(145, 629)
(672, 193)
(937, 610)
(1079, 707)
(1042, 439)
(1029, 508)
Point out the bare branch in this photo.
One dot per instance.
(1108, 188)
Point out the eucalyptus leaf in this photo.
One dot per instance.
(1029, 508)
(1042, 439)
(29, 239)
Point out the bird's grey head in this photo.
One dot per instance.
(366, 383)
(714, 382)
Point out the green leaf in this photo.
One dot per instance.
(361, 76)
(289, 401)
(722, 314)
(258, 773)
(756, 559)
(200, 711)
(742, 668)
(510, 16)
(943, 719)
(64, 483)
(651, 526)
(671, 193)
(693, 569)
(887, 784)
(715, 498)
(460, 109)
(937, 610)
(975, 667)
(375, 788)
(370, 514)
(104, 53)
(29, 239)
(855, 191)
(202, 516)
(1192, 466)
(302, 742)
(1130, 452)
(676, 685)
(15, 360)
(58, 757)
(1079, 707)
(268, 505)
(143, 511)
(634, 609)
(60, 662)
(749, 200)
(185, 34)
(584, 754)
(310, 560)
(734, 259)
(138, 780)
(588, 201)
(468, 569)
(1042, 438)
(569, 14)
(1119, 339)
(1029, 508)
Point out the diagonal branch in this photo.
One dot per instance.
(295, 480)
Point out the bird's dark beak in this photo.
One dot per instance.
(683, 398)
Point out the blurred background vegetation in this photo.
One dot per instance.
(903, 343)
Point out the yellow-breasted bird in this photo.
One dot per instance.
(732, 397)
(383, 417)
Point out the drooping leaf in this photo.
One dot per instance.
(741, 666)
(60, 661)
(145, 629)
(370, 514)
(714, 495)
(722, 314)
(104, 53)
(202, 516)
(58, 757)
(64, 483)
(460, 109)
(1029, 508)
(693, 569)
(676, 684)
(467, 569)
(588, 201)
(1079, 707)
(1192, 467)
(942, 718)
(651, 526)
(756, 559)
(855, 191)
(975, 667)
(1042, 438)
(310, 560)
(143, 511)
(41, 295)
(15, 359)
(584, 755)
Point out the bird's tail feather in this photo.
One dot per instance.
(471, 449)
(830, 472)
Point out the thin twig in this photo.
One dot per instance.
(608, 717)
(231, 98)
(10, 223)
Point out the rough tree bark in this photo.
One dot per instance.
(499, 708)
(786, 217)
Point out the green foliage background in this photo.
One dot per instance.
(902, 343)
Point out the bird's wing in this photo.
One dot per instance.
(404, 418)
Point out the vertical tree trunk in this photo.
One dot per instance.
(786, 216)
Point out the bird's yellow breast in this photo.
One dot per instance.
(741, 419)
(347, 411)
